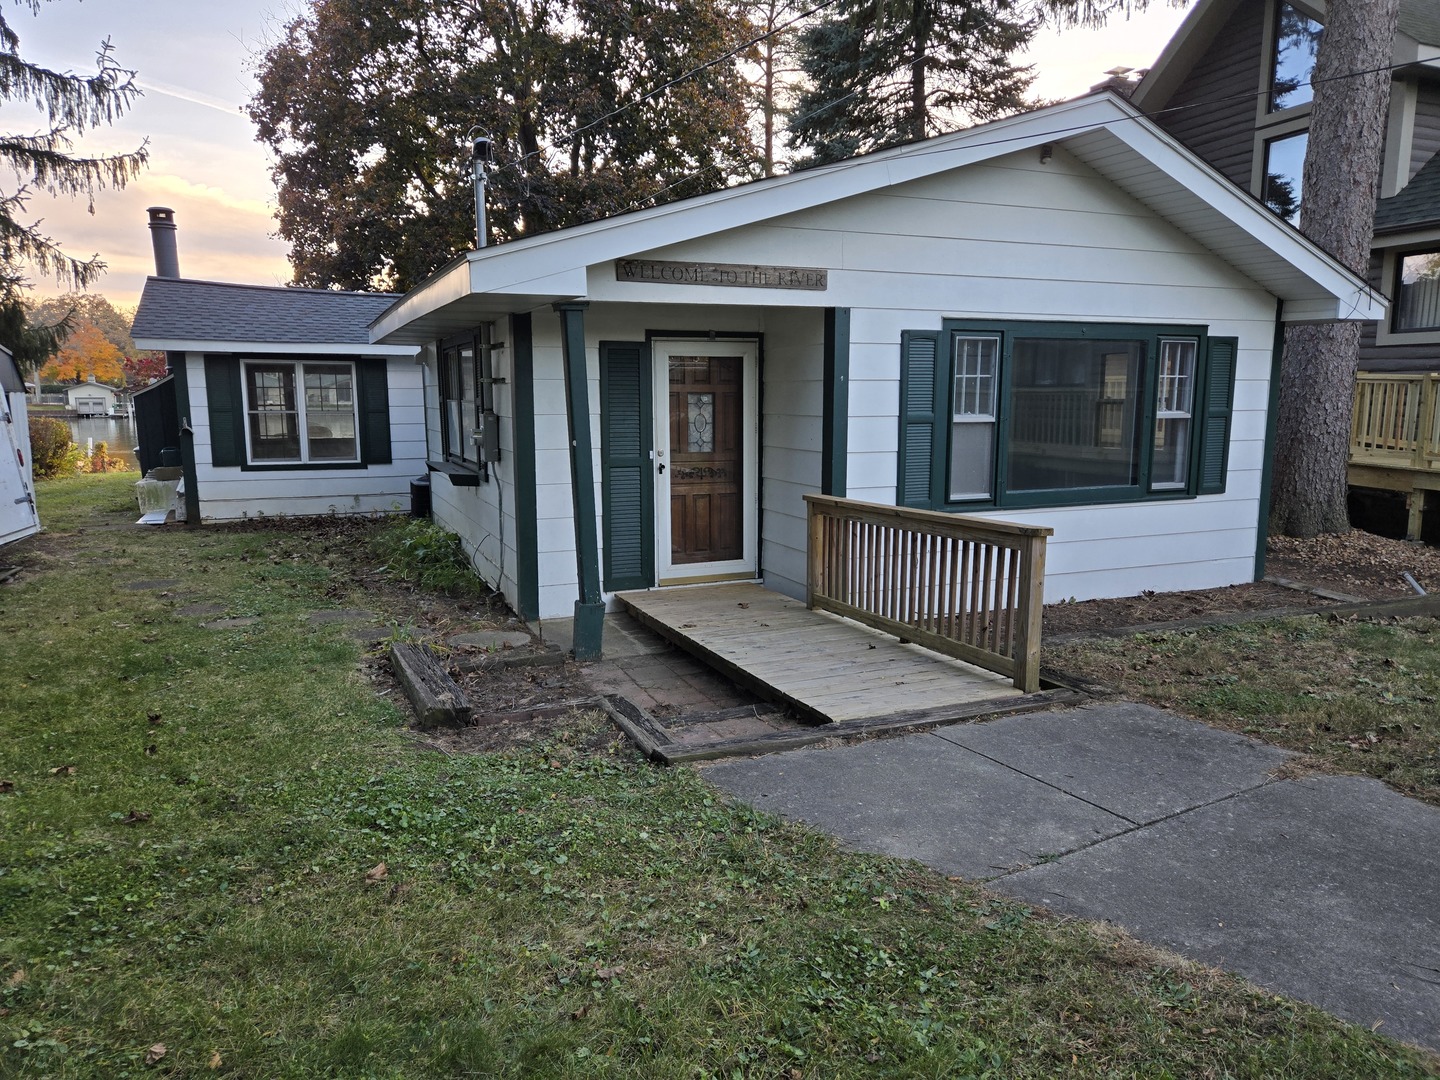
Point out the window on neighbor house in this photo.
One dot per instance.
(1284, 173)
(1058, 413)
(1417, 293)
(301, 412)
(1292, 62)
(467, 392)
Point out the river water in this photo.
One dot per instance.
(116, 432)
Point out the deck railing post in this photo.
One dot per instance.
(1029, 615)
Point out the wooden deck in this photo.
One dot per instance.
(827, 668)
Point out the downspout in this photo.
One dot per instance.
(1267, 468)
(589, 608)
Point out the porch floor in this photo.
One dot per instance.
(826, 668)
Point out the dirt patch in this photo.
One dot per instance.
(1358, 564)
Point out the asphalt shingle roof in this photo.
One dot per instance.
(1420, 19)
(1416, 204)
(181, 309)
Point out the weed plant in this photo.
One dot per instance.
(429, 556)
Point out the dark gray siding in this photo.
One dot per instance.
(1221, 89)
(1392, 357)
(1426, 139)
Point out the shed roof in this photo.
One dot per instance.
(181, 313)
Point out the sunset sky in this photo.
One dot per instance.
(195, 60)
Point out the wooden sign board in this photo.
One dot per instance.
(737, 275)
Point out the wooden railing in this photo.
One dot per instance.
(968, 587)
(1396, 421)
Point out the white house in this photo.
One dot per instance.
(1063, 318)
(283, 404)
(91, 398)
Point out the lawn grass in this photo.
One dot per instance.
(224, 841)
(1357, 695)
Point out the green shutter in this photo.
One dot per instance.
(226, 402)
(921, 474)
(1219, 405)
(374, 412)
(626, 469)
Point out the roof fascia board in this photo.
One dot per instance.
(274, 348)
(1194, 36)
(444, 287)
(513, 267)
(1254, 218)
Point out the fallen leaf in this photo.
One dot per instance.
(135, 817)
(6, 787)
(155, 1053)
(377, 873)
(580, 1013)
(152, 750)
(63, 770)
(215, 1061)
(742, 605)
(16, 977)
(154, 719)
(610, 972)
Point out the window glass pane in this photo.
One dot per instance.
(972, 456)
(1075, 405)
(975, 360)
(1284, 171)
(1417, 303)
(271, 412)
(1297, 38)
(1174, 397)
(330, 412)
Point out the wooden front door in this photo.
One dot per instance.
(705, 449)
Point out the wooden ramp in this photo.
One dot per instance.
(827, 668)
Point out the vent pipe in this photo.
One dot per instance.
(162, 238)
(481, 158)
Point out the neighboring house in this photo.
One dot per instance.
(1063, 318)
(283, 404)
(91, 398)
(1234, 86)
(18, 517)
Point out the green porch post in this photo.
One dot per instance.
(835, 434)
(589, 608)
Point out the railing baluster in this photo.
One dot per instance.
(969, 587)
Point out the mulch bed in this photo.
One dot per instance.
(1357, 564)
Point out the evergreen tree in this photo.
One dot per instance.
(44, 161)
(883, 72)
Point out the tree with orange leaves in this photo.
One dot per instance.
(86, 352)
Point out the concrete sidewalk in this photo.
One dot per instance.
(1324, 888)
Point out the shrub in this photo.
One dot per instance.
(52, 453)
(100, 460)
(430, 556)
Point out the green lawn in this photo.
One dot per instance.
(193, 823)
(1356, 695)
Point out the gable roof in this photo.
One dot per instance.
(1102, 130)
(182, 313)
(1417, 40)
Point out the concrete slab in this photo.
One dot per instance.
(920, 797)
(491, 639)
(1130, 759)
(620, 637)
(1323, 889)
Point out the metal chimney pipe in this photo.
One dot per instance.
(481, 158)
(162, 238)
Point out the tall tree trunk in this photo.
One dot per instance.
(1337, 211)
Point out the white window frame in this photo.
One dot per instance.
(1175, 412)
(297, 373)
(960, 416)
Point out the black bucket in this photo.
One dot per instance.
(420, 497)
